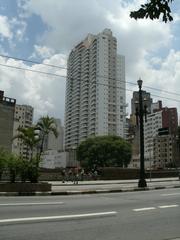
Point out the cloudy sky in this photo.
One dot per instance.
(46, 30)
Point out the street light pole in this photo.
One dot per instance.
(142, 181)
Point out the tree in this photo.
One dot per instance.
(30, 139)
(104, 151)
(45, 126)
(153, 10)
(13, 165)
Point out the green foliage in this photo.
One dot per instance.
(153, 10)
(33, 170)
(45, 125)
(30, 138)
(13, 165)
(104, 151)
(23, 169)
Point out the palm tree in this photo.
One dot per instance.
(30, 139)
(45, 126)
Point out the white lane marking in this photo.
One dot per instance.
(170, 194)
(63, 217)
(29, 204)
(101, 190)
(168, 206)
(143, 209)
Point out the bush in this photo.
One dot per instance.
(13, 165)
(23, 169)
(33, 170)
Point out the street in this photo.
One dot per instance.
(133, 215)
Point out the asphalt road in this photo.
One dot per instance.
(133, 215)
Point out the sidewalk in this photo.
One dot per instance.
(100, 186)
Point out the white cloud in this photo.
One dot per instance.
(165, 77)
(11, 30)
(42, 52)
(5, 28)
(44, 92)
(18, 27)
(68, 23)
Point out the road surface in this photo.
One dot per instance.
(146, 215)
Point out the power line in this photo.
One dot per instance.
(57, 75)
(157, 89)
(172, 99)
(30, 61)
(65, 68)
(31, 70)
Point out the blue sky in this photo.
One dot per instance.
(44, 30)
(32, 33)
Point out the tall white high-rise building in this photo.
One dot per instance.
(95, 90)
(23, 117)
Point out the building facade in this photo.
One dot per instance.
(95, 90)
(7, 109)
(147, 100)
(23, 118)
(165, 151)
(157, 118)
(151, 126)
(164, 118)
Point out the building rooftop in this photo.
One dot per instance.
(6, 100)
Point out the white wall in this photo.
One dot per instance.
(53, 159)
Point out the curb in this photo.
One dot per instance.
(79, 192)
(16, 194)
(111, 190)
(108, 183)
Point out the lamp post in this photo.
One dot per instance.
(140, 112)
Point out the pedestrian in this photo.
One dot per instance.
(95, 174)
(82, 174)
(70, 177)
(76, 176)
(63, 173)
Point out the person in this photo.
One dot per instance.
(76, 176)
(70, 175)
(82, 174)
(95, 175)
(63, 173)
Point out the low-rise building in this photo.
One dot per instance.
(165, 151)
(7, 108)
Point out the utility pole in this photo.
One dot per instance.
(140, 112)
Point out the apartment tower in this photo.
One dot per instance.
(95, 90)
(23, 117)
